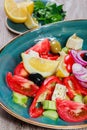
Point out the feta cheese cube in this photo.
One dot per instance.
(59, 92)
(74, 42)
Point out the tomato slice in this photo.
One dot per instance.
(21, 85)
(42, 47)
(50, 56)
(69, 61)
(71, 111)
(20, 70)
(52, 79)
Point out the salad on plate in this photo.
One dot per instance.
(54, 77)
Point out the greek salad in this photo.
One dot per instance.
(55, 77)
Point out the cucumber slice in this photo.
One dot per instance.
(51, 114)
(20, 99)
(65, 49)
(47, 104)
(78, 98)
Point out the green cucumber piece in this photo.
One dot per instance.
(20, 99)
(65, 49)
(47, 104)
(51, 114)
(78, 98)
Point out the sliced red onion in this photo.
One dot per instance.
(80, 73)
(83, 84)
(74, 55)
(78, 69)
(82, 78)
(80, 58)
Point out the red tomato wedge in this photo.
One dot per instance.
(42, 47)
(21, 85)
(69, 61)
(50, 56)
(71, 111)
(20, 70)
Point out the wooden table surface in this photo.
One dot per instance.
(76, 9)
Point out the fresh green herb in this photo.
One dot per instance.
(48, 12)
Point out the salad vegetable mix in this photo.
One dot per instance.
(55, 77)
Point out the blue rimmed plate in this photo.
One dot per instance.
(10, 57)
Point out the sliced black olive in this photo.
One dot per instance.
(85, 56)
(36, 78)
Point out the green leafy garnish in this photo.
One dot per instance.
(48, 12)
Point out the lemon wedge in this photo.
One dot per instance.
(62, 72)
(14, 12)
(30, 23)
(61, 69)
(39, 65)
(29, 5)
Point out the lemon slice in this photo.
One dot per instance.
(14, 12)
(39, 65)
(62, 72)
(29, 5)
(30, 23)
(61, 69)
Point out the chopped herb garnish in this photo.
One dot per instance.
(48, 12)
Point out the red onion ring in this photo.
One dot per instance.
(83, 84)
(80, 58)
(80, 73)
(80, 78)
(78, 69)
(74, 55)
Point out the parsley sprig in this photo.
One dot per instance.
(48, 12)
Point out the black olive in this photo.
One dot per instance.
(85, 56)
(36, 78)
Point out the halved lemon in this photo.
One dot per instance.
(14, 12)
(29, 5)
(39, 65)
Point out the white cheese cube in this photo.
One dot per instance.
(74, 42)
(59, 92)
